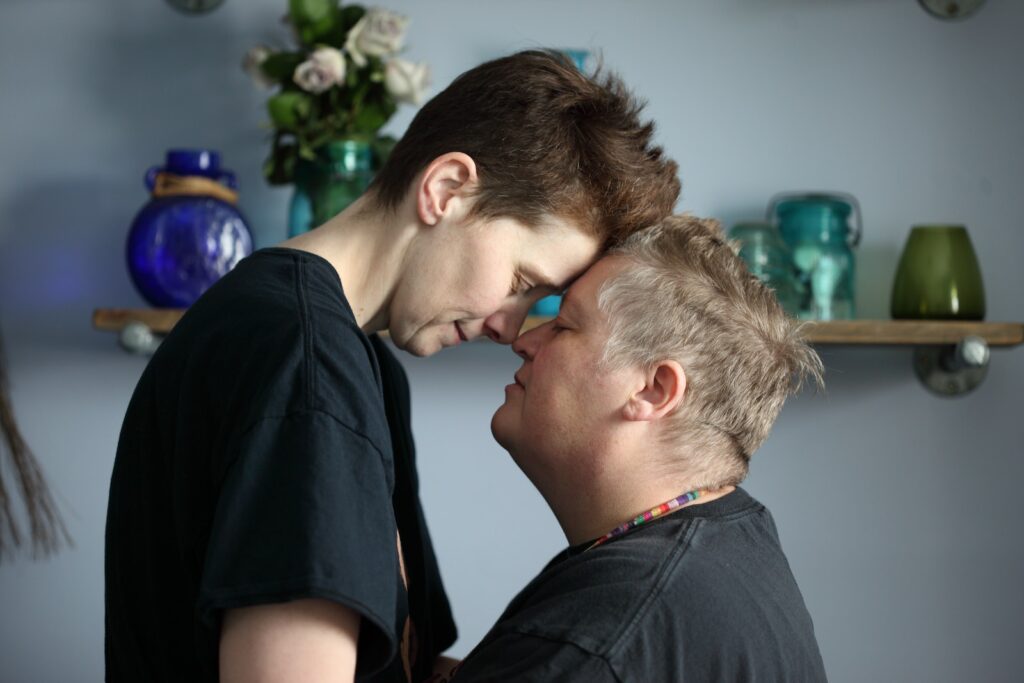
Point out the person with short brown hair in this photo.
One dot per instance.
(635, 414)
(263, 521)
(546, 140)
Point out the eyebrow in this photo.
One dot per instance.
(539, 279)
(570, 305)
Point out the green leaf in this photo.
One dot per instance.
(351, 74)
(288, 109)
(305, 12)
(358, 92)
(314, 19)
(350, 16)
(370, 117)
(347, 17)
(281, 66)
(279, 168)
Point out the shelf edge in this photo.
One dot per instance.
(834, 332)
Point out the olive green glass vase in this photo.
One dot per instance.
(938, 277)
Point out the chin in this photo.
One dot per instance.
(417, 346)
(419, 351)
(508, 436)
(500, 427)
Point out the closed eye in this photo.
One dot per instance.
(519, 285)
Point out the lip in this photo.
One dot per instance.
(519, 382)
(458, 330)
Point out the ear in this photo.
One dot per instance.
(449, 176)
(662, 391)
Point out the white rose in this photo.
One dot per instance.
(378, 33)
(324, 68)
(253, 64)
(406, 81)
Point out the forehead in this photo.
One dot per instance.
(582, 296)
(557, 251)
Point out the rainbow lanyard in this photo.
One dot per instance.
(672, 505)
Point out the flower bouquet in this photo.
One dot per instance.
(335, 88)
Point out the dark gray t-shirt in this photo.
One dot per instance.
(703, 594)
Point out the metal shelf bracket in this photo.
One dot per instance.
(953, 370)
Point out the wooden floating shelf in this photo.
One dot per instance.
(159, 320)
(913, 332)
(838, 332)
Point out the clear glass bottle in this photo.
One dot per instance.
(769, 259)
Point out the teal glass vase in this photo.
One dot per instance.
(938, 277)
(326, 185)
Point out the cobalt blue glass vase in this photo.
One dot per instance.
(190, 233)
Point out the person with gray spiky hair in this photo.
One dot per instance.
(635, 414)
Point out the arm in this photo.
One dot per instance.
(303, 640)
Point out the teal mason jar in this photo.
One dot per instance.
(821, 231)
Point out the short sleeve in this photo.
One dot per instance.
(532, 659)
(305, 512)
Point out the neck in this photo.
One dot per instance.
(366, 246)
(583, 525)
(589, 503)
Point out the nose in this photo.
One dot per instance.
(503, 326)
(528, 343)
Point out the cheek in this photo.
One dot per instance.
(574, 396)
(483, 283)
(554, 395)
(485, 300)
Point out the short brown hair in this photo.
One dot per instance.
(689, 297)
(547, 140)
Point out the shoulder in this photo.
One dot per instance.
(726, 604)
(273, 337)
(594, 598)
(275, 301)
(671, 595)
(565, 625)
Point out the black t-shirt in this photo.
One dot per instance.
(266, 456)
(702, 594)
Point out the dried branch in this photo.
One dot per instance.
(46, 528)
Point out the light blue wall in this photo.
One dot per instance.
(898, 509)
